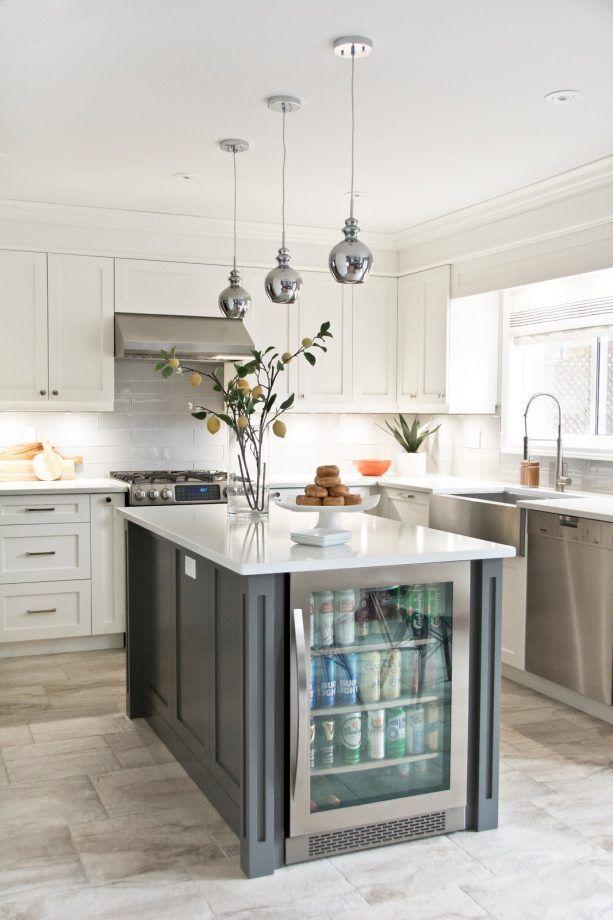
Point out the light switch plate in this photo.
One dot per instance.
(190, 567)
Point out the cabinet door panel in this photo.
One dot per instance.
(24, 373)
(194, 648)
(81, 350)
(374, 342)
(435, 307)
(408, 338)
(329, 382)
(180, 288)
(108, 564)
(160, 637)
(227, 682)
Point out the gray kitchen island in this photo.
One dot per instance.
(325, 700)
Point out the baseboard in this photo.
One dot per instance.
(561, 694)
(56, 646)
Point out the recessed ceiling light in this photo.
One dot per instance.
(186, 177)
(562, 96)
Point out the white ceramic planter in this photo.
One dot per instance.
(411, 464)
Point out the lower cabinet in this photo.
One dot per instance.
(47, 610)
(405, 505)
(514, 586)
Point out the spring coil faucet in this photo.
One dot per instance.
(561, 480)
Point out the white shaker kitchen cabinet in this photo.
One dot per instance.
(474, 330)
(108, 564)
(179, 288)
(328, 385)
(272, 324)
(423, 302)
(405, 505)
(24, 372)
(513, 632)
(81, 344)
(375, 329)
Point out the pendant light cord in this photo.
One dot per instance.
(352, 125)
(234, 165)
(283, 180)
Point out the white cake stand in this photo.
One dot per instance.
(328, 530)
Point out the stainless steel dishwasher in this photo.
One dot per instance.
(569, 617)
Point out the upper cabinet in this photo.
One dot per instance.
(423, 303)
(57, 320)
(327, 385)
(474, 331)
(375, 331)
(182, 288)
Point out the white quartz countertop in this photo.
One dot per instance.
(78, 485)
(263, 548)
(597, 505)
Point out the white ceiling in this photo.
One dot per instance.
(102, 100)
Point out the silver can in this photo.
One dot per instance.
(312, 619)
(361, 614)
(432, 727)
(416, 724)
(369, 677)
(390, 674)
(323, 616)
(344, 617)
(409, 671)
(376, 734)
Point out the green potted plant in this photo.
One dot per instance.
(250, 412)
(410, 461)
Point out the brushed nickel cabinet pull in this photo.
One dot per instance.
(47, 610)
(48, 552)
(40, 509)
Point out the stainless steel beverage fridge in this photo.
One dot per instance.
(379, 706)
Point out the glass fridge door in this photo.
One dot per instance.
(385, 671)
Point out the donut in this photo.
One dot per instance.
(316, 491)
(328, 481)
(338, 490)
(307, 500)
(328, 470)
(353, 499)
(331, 500)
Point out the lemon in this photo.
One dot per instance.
(257, 392)
(242, 383)
(242, 421)
(286, 357)
(195, 379)
(307, 342)
(213, 424)
(174, 363)
(279, 428)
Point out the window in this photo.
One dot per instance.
(558, 338)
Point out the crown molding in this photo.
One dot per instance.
(586, 178)
(176, 224)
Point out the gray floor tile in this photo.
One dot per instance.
(38, 860)
(144, 789)
(43, 761)
(437, 904)
(49, 804)
(180, 901)
(61, 729)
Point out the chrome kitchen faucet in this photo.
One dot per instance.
(561, 480)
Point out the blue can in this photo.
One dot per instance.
(347, 679)
(312, 684)
(325, 680)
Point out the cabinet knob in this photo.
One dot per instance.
(441, 395)
(54, 393)
(108, 499)
(43, 392)
(412, 395)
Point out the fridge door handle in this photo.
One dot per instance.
(301, 694)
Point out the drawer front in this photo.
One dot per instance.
(54, 553)
(44, 509)
(406, 495)
(45, 611)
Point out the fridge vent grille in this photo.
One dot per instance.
(375, 835)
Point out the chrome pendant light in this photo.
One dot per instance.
(351, 260)
(234, 302)
(283, 283)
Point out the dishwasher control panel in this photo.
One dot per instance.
(569, 527)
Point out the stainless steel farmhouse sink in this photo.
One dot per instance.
(486, 515)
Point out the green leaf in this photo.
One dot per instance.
(270, 402)
(310, 358)
(166, 372)
(325, 327)
(270, 348)
(164, 354)
(288, 402)
(217, 388)
(224, 418)
(160, 365)
(200, 415)
(280, 366)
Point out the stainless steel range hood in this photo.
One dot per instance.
(197, 338)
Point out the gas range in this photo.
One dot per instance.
(174, 487)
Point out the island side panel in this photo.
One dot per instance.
(484, 700)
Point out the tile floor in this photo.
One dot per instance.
(98, 821)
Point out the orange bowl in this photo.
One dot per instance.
(372, 467)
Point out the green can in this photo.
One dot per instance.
(395, 732)
(351, 737)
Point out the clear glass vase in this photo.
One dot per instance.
(248, 491)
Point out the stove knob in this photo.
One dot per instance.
(166, 494)
(153, 494)
(138, 494)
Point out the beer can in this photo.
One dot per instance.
(312, 619)
(361, 614)
(415, 730)
(323, 619)
(416, 603)
(325, 680)
(432, 727)
(350, 737)
(344, 617)
(312, 744)
(324, 741)
(409, 671)
(347, 679)
(376, 734)
(395, 732)
(390, 674)
(312, 682)
(376, 619)
(369, 677)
